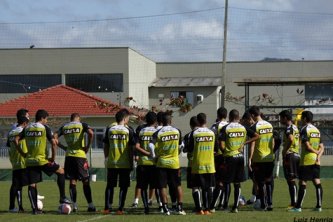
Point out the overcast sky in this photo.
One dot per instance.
(292, 29)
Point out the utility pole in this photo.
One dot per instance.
(224, 57)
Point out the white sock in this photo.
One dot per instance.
(136, 200)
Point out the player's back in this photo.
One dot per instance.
(311, 134)
(145, 135)
(235, 137)
(74, 136)
(17, 161)
(263, 151)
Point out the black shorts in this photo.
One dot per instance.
(168, 177)
(233, 170)
(262, 171)
(20, 178)
(146, 175)
(189, 177)
(76, 168)
(310, 172)
(219, 167)
(122, 173)
(204, 181)
(35, 172)
(291, 166)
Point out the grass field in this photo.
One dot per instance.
(280, 199)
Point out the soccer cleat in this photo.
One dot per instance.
(290, 207)
(181, 212)
(91, 209)
(234, 210)
(14, 210)
(146, 211)
(120, 212)
(65, 200)
(207, 212)
(173, 209)
(295, 210)
(269, 208)
(317, 209)
(75, 207)
(212, 210)
(160, 209)
(36, 212)
(21, 210)
(201, 212)
(105, 212)
(134, 205)
(167, 213)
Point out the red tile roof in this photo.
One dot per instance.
(61, 100)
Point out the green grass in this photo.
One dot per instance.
(280, 199)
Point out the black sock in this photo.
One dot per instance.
(210, 196)
(72, 192)
(269, 193)
(61, 185)
(12, 196)
(197, 199)
(19, 198)
(227, 192)
(108, 197)
(254, 189)
(32, 192)
(122, 197)
(87, 192)
(173, 196)
(237, 193)
(165, 207)
(292, 192)
(261, 191)
(319, 194)
(144, 197)
(216, 196)
(205, 199)
(301, 195)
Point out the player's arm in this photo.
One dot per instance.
(190, 143)
(252, 136)
(17, 144)
(222, 138)
(53, 141)
(152, 148)
(90, 133)
(56, 136)
(106, 143)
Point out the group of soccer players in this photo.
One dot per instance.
(215, 159)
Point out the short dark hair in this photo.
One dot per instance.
(202, 119)
(41, 114)
(254, 110)
(74, 115)
(308, 116)
(222, 113)
(151, 118)
(247, 115)
(121, 115)
(233, 115)
(194, 121)
(166, 118)
(22, 119)
(21, 112)
(286, 114)
(159, 117)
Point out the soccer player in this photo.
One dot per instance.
(118, 151)
(261, 159)
(76, 163)
(186, 142)
(146, 169)
(220, 189)
(290, 154)
(312, 150)
(36, 135)
(17, 159)
(202, 141)
(166, 142)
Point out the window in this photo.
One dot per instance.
(96, 82)
(187, 95)
(319, 92)
(27, 83)
(98, 138)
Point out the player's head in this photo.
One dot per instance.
(233, 115)
(254, 111)
(41, 116)
(202, 119)
(194, 122)
(122, 115)
(307, 116)
(151, 118)
(22, 121)
(222, 113)
(166, 119)
(75, 117)
(22, 112)
(247, 119)
(159, 117)
(285, 116)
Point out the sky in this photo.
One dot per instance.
(292, 29)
